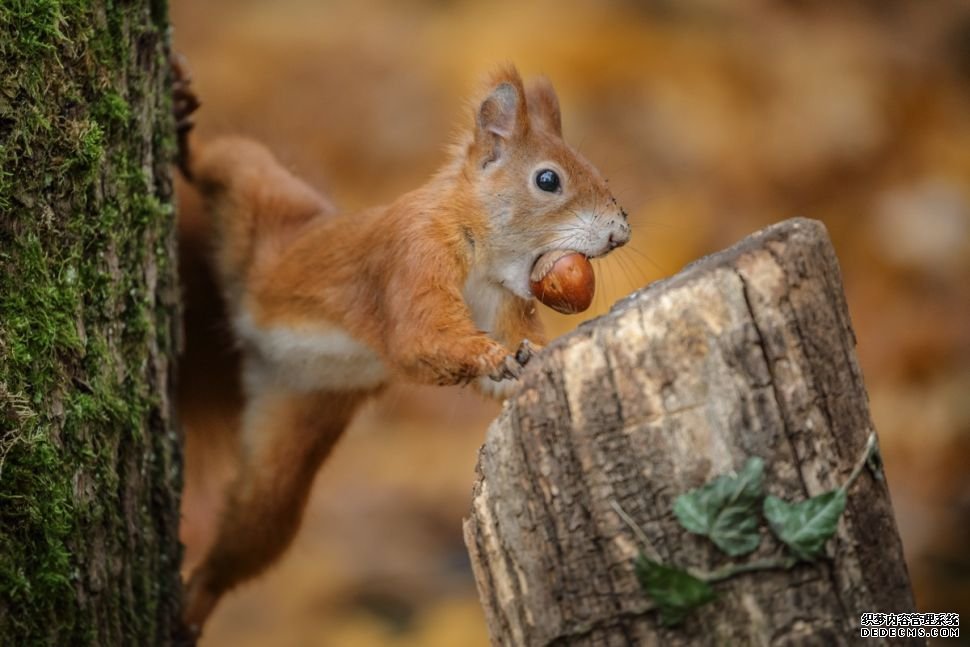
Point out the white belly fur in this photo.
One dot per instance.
(306, 358)
(327, 357)
(483, 298)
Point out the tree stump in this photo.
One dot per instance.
(748, 352)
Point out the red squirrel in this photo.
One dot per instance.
(328, 307)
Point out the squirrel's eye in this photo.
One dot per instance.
(547, 180)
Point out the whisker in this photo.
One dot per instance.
(598, 295)
(643, 220)
(611, 273)
(569, 237)
(566, 235)
(631, 280)
(637, 270)
(654, 263)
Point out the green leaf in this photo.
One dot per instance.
(726, 509)
(805, 526)
(673, 590)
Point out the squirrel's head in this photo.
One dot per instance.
(537, 193)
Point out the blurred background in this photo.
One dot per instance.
(712, 119)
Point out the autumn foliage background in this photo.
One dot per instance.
(712, 119)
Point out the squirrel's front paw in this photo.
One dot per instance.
(503, 381)
(498, 390)
(184, 100)
(526, 351)
(184, 103)
(509, 367)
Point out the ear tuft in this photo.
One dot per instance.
(544, 104)
(501, 117)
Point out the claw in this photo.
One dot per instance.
(184, 104)
(185, 100)
(525, 352)
(512, 365)
(511, 368)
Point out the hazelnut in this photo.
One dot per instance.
(564, 281)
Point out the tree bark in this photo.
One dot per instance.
(90, 465)
(745, 353)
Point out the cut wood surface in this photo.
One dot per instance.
(748, 352)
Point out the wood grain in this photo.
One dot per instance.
(749, 352)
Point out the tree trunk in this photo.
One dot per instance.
(90, 465)
(746, 353)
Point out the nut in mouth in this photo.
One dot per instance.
(564, 281)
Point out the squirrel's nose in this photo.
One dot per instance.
(620, 234)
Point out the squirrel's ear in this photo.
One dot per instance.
(544, 104)
(501, 117)
(498, 113)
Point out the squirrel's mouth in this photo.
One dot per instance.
(563, 280)
(545, 262)
(516, 276)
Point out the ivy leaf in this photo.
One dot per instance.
(726, 509)
(805, 526)
(673, 590)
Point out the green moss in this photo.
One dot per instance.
(38, 26)
(112, 109)
(40, 303)
(87, 139)
(77, 397)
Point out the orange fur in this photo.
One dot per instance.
(329, 306)
(287, 437)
